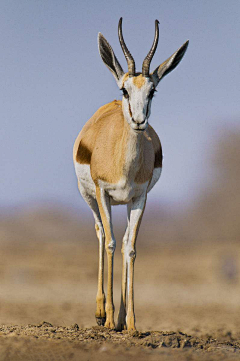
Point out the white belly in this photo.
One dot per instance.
(156, 175)
(120, 193)
(123, 191)
(85, 179)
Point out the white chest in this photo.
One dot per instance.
(120, 193)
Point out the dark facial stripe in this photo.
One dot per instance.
(148, 108)
(129, 108)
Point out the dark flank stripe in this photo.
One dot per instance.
(158, 158)
(83, 154)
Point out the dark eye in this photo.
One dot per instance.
(125, 93)
(151, 94)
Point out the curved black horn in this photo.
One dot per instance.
(126, 52)
(148, 59)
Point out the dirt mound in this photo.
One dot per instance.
(45, 341)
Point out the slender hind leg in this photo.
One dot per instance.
(100, 299)
(105, 212)
(121, 325)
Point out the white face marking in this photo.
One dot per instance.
(137, 103)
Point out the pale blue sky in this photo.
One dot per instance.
(53, 80)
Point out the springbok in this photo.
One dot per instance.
(118, 160)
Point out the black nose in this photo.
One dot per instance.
(134, 121)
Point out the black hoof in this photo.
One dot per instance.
(100, 321)
(121, 327)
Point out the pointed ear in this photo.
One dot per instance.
(109, 58)
(169, 64)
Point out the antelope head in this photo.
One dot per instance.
(138, 88)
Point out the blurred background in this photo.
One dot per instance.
(52, 81)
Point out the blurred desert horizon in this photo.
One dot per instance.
(213, 215)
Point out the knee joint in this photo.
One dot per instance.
(132, 254)
(110, 246)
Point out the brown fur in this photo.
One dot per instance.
(102, 143)
(84, 144)
(157, 147)
(139, 81)
(151, 156)
(125, 77)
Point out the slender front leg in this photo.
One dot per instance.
(110, 245)
(136, 213)
(121, 325)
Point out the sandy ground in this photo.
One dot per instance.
(186, 302)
